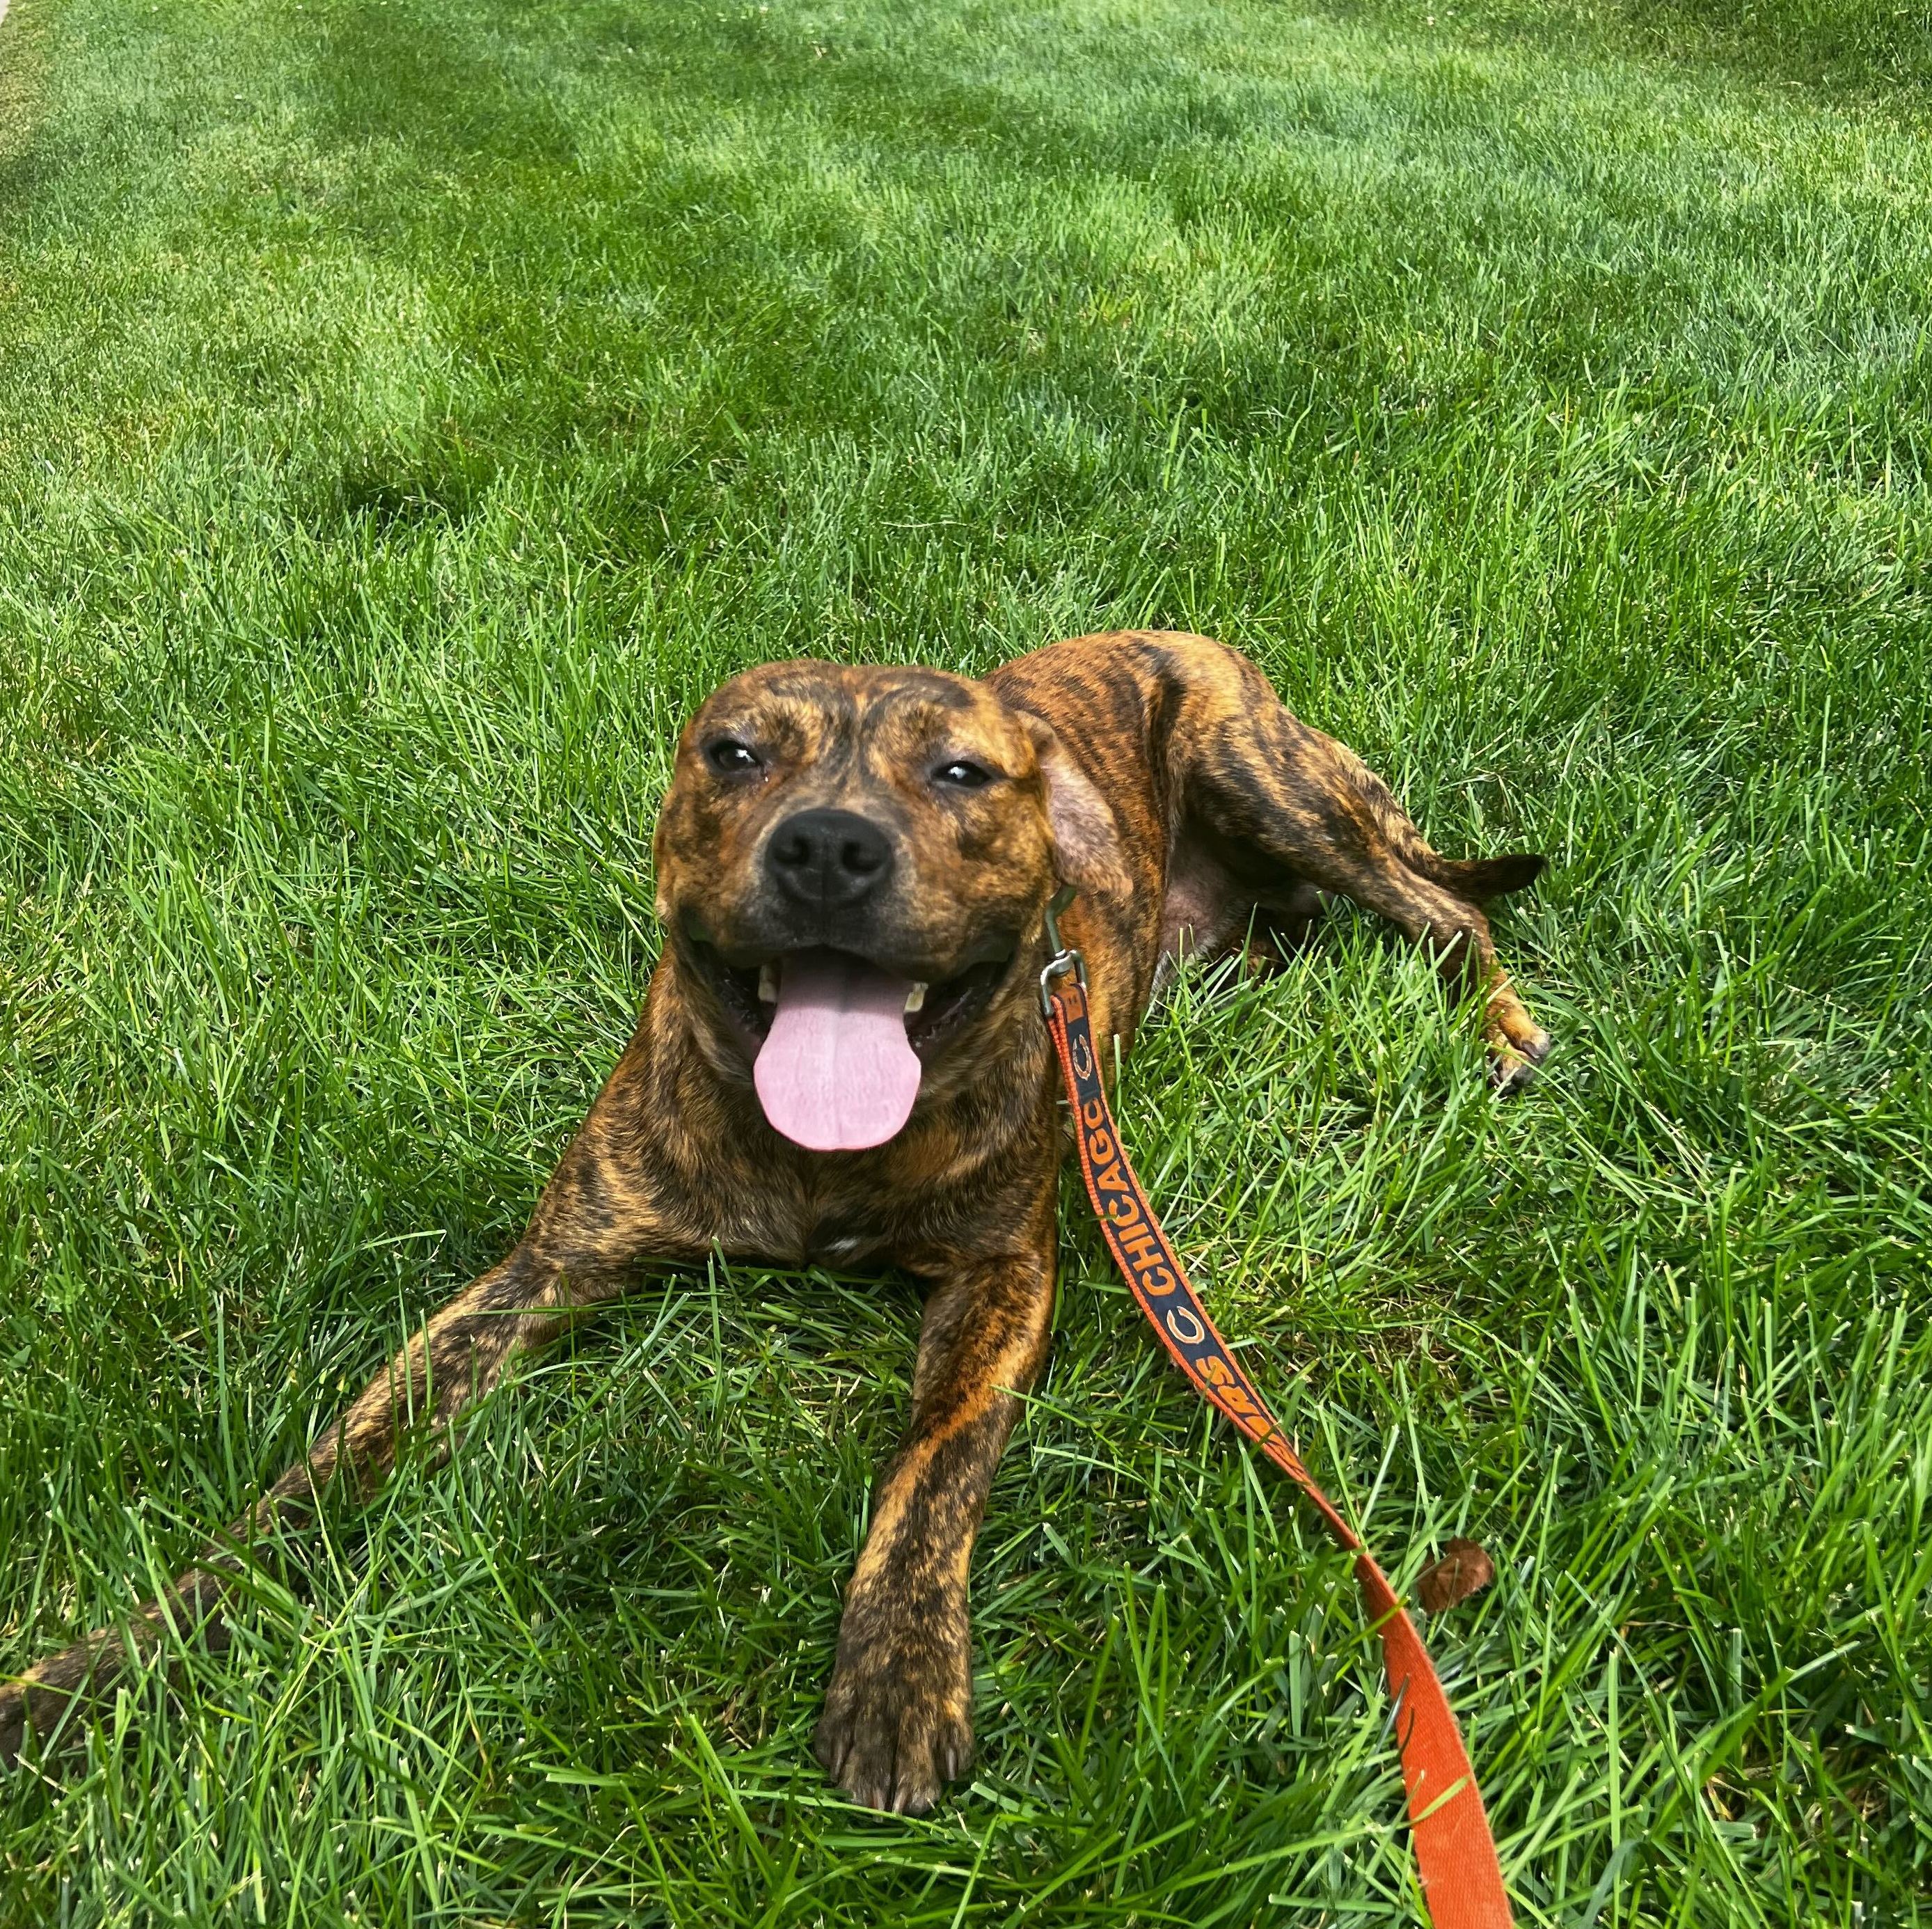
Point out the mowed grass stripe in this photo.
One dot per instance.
(405, 414)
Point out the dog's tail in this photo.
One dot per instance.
(1480, 878)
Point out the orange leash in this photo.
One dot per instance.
(1455, 1853)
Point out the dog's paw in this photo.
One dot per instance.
(13, 1723)
(28, 1708)
(1514, 1059)
(54, 1699)
(898, 1725)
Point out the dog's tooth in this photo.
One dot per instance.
(768, 983)
(916, 999)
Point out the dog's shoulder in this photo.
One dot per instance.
(1124, 681)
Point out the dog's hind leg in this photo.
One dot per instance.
(1259, 777)
(898, 1723)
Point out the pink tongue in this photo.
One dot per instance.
(835, 1073)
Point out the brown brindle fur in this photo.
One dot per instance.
(1157, 773)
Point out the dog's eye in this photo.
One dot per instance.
(731, 759)
(962, 775)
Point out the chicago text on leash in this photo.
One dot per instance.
(841, 1058)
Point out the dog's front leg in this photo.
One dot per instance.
(597, 1218)
(899, 1719)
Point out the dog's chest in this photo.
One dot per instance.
(794, 1226)
(838, 1243)
(863, 1222)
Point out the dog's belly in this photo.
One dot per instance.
(1212, 900)
(1206, 906)
(1199, 918)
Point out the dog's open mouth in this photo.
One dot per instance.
(840, 1041)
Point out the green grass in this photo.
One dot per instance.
(407, 411)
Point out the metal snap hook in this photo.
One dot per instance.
(1065, 958)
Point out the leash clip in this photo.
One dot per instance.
(1065, 958)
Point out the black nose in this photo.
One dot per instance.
(829, 859)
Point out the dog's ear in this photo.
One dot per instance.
(1086, 836)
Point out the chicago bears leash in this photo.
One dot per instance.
(1455, 1851)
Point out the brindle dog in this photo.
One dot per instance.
(852, 868)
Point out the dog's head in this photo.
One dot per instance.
(853, 864)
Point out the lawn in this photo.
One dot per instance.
(407, 411)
